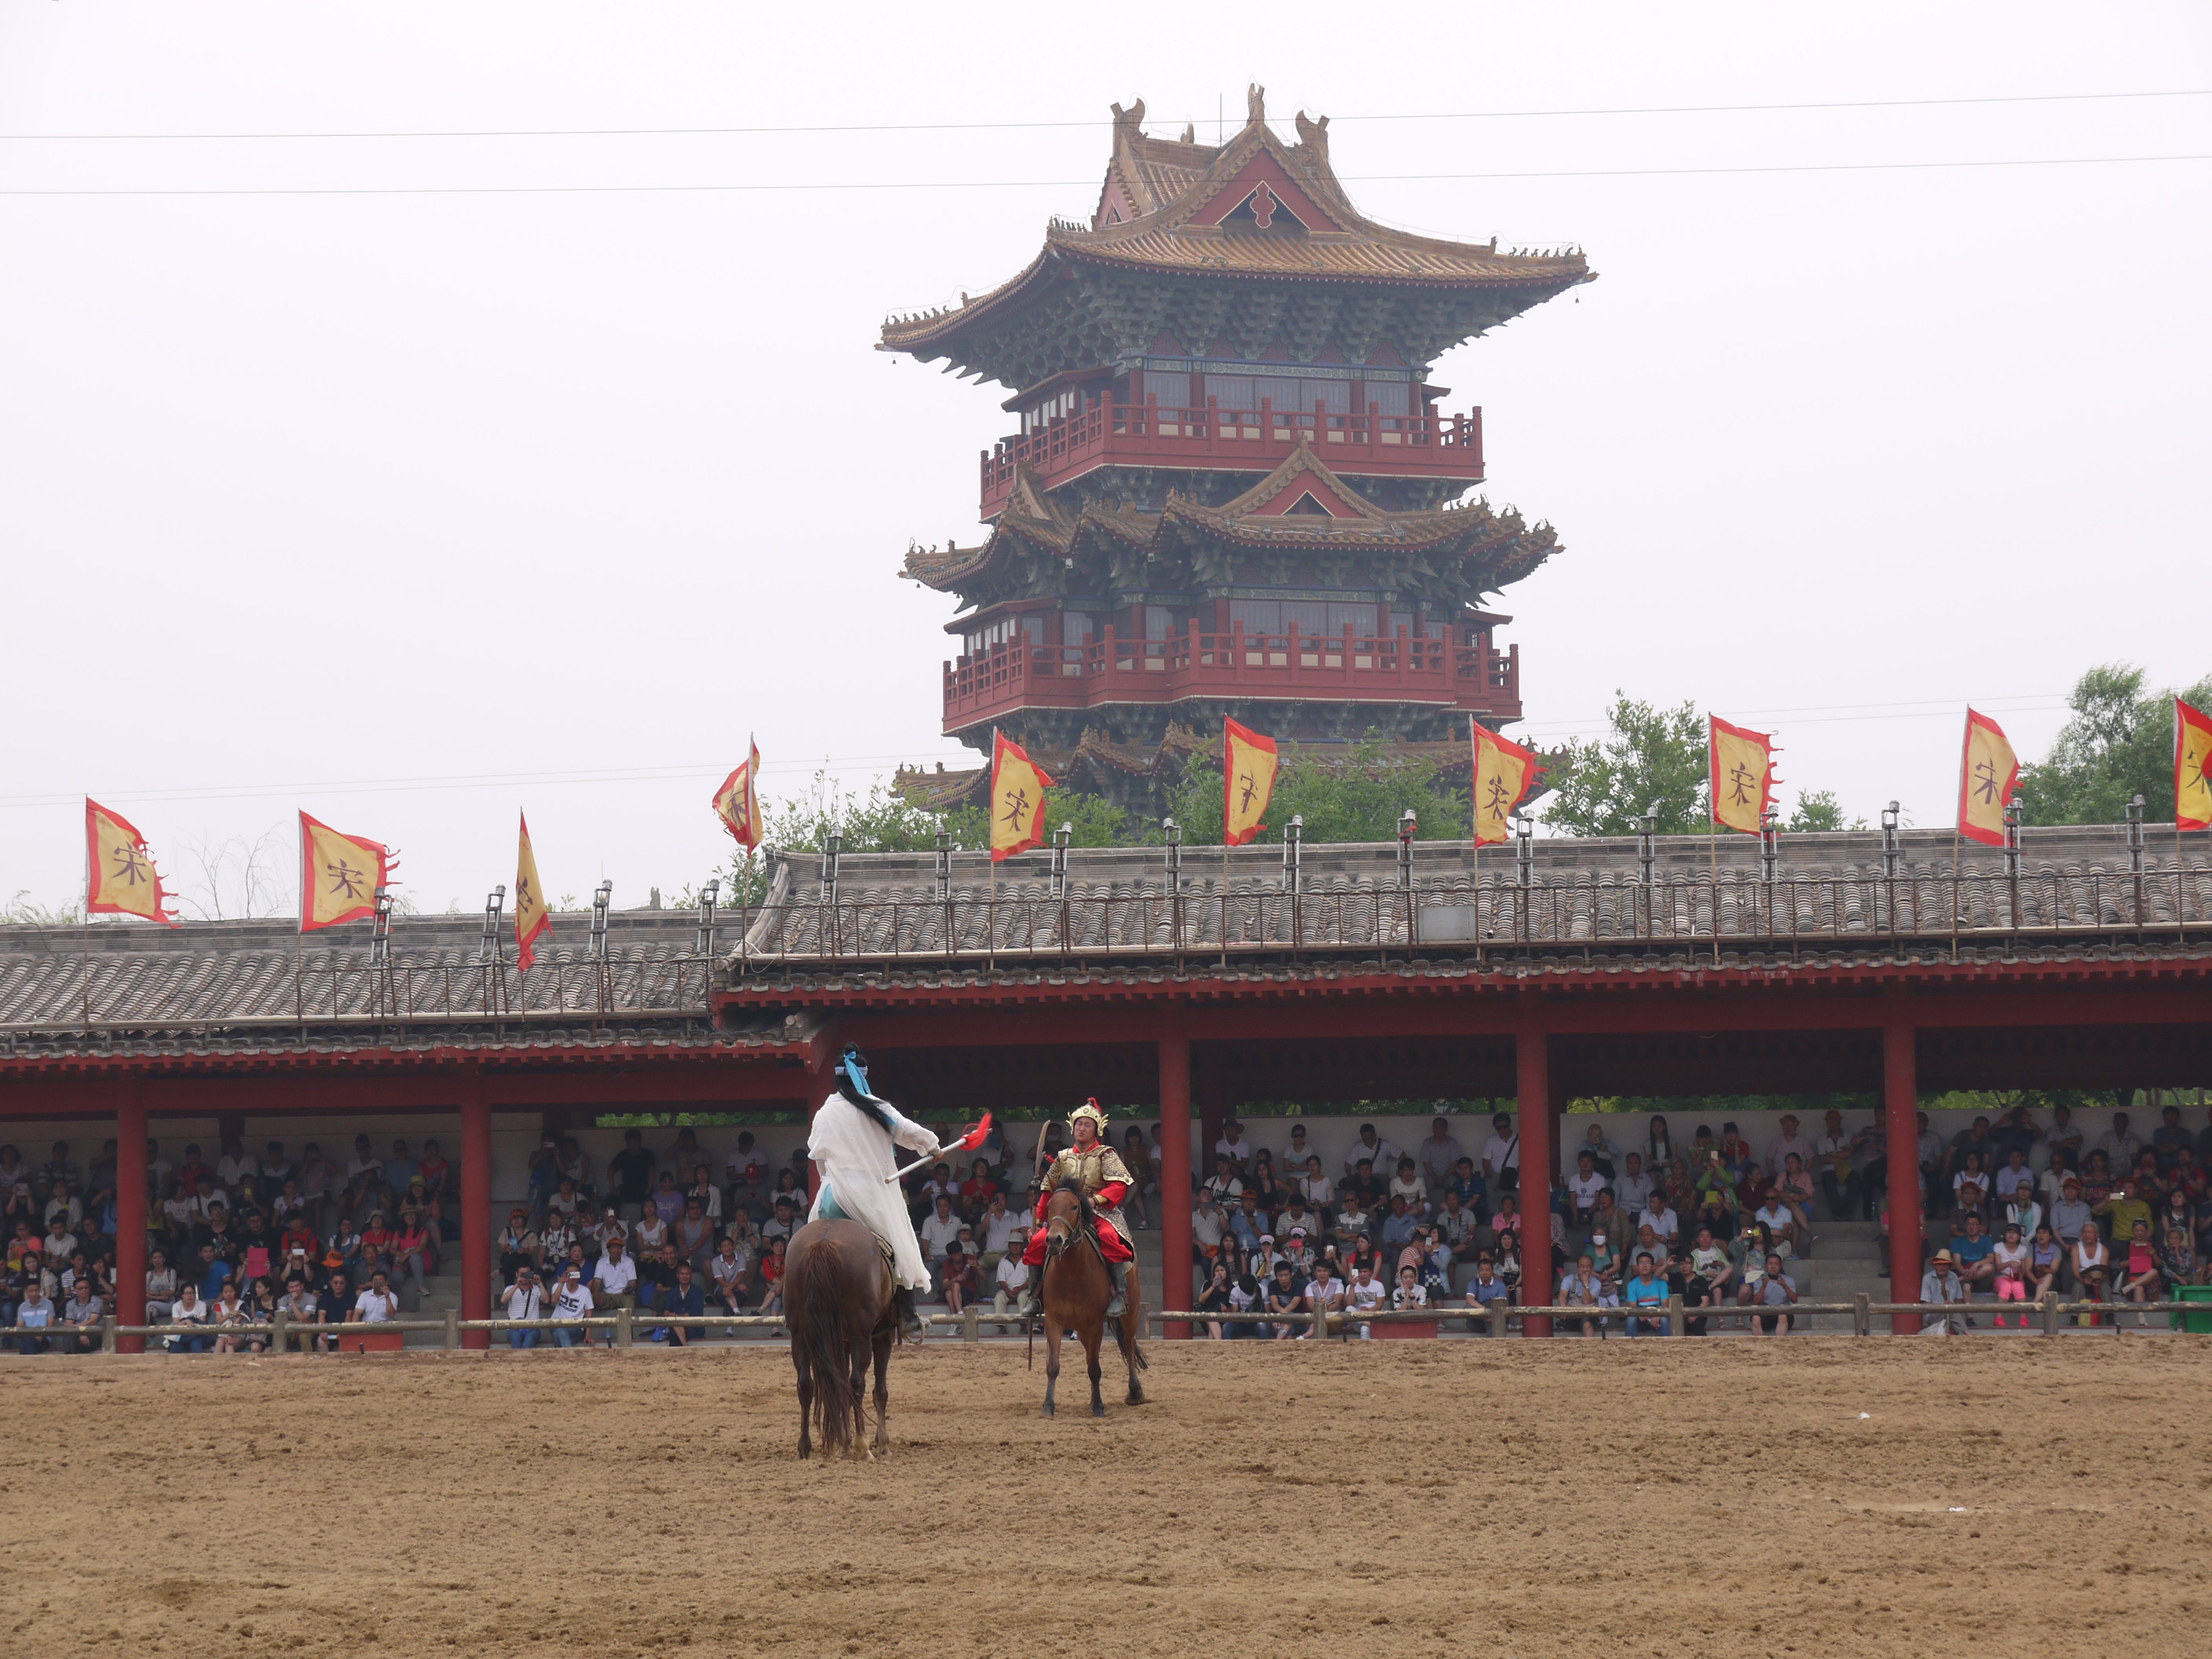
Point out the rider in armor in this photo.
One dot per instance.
(850, 1142)
(1104, 1179)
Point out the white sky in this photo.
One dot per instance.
(413, 509)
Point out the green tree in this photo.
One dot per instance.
(1354, 795)
(1652, 756)
(1819, 809)
(2118, 744)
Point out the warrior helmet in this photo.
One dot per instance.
(1091, 1109)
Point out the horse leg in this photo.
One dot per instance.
(1131, 1324)
(806, 1399)
(1051, 1361)
(883, 1390)
(1093, 1336)
(858, 1381)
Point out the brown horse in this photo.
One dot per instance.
(837, 1301)
(1076, 1291)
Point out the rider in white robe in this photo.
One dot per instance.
(851, 1143)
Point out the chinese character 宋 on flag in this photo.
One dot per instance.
(1743, 775)
(531, 914)
(1504, 774)
(1988, 772)
(1017, 787)
(339, 875)
(119, 877)
(2192, 767)
(737, 803)
(1248, 782)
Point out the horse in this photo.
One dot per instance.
(837, 1297)
(1076, 1290)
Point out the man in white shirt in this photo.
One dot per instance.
(614, 1282)
(1012, 1279)
(1002, 1230)
(2120, 1144)
(1501, 1154)
(1207, 1225)
(1324, 1295)
(1584, 1186)
(572, 1299)
(525, 1299)
(1233, 1147)
(1658, 1215)
(1378, 1153)
(1438, 1153)
(939, 1231)
(1366, 1294)
(373, 1305)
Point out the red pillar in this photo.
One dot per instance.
(1533, 1088)
(130, 1200)
(1900, 1104)
(475, 1212)
(1174, 1172)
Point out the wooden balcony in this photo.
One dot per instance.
(1448, 446)
(1324, 667)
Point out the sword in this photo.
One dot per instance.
(974, 1137)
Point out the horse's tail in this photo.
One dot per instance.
(1136, 1348)
(827, 1327)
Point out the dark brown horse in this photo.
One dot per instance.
(837, 1301)
(1076, 1292)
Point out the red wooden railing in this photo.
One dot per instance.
(1146, 433)
(1017, 674)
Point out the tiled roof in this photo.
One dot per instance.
(1500, 545)
(1831, 893)
(241, 989)
(1175, 191)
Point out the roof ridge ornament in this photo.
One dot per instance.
(1255, 105)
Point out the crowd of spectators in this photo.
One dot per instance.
(2012, 1208)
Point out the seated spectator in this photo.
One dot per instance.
(2009, 1257)
(1366, 1294)
(35, 1316)
(1409, 1293)
(2139, 1277)
(1775, 1289)
(1010, 1282)
(2091, 1265)
(1398, 1226)
(729, 1274)
(187, 1309)
(1581, 1287)
(1363, 1185)
(1467, 1185)
(1645, 1289)
(2011, 1177)
(771, 1276)
(694, 1239)
(957, 1278)
(1711, 1273)
(379, 1302)
(1208, 1228)
(2178, 1260)
(1584, 1186)
(231, 1318)
(1486, 1286)
(1456, 1224)
(1214, 1299)
(299, 1306)
(414, 1252)
(2022, 1211)
(1324, 1295)
(1224, 1186)
(1658, 1215)
(2046, 1263)
(614, 1281)
(1784, 1236)
(1246, 1224)
(939, 1230)
(573, 1300)
(161, 1288)
(1283, 1296)
(1633, 1186)
(1314, 1186)
(2070, 1212)
(684, 1298)
(1972, 1253)
(1408, 1186)
(1648, 1242)
(524, 1299)
(1243, 1302)
(1794, 1183)
(2116, 1213)
(1940, 1287)
(1610, 1219)
(81, 1317)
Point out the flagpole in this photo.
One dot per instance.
(1713, 865)
(991, 858)
(87, 987)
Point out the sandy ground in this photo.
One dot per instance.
(1813, 1496)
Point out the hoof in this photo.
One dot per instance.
(1047, 1411)
(1098, 1411)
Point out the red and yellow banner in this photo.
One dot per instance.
(2192, 767)
(339, 875)
(1988, 772)
(1743, 775)
(1504, 772)
(737, 803)
(119, 877)
(1017, 787)
(1247, 781)
(532, 916)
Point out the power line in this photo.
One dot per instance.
(1034, 126)
(1072, 184)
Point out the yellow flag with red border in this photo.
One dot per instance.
(1504, 772)
(119, 877)
(1247, 781)
(532, 916)
(1743, 775)
(1017, 787)
(339, 875)
(1988, 772)
(737, 803)
(2192, 767)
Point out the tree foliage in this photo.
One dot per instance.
(1652, 757)
(1354, 795)
(2118, 744)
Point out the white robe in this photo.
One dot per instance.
(853, 1155)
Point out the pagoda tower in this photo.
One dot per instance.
(1232, 489)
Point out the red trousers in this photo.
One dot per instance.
(1111, 1245)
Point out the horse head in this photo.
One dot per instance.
(1063, 1217)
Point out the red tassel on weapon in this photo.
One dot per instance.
(975, 1137)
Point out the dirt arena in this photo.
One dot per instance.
(1703, 1498)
